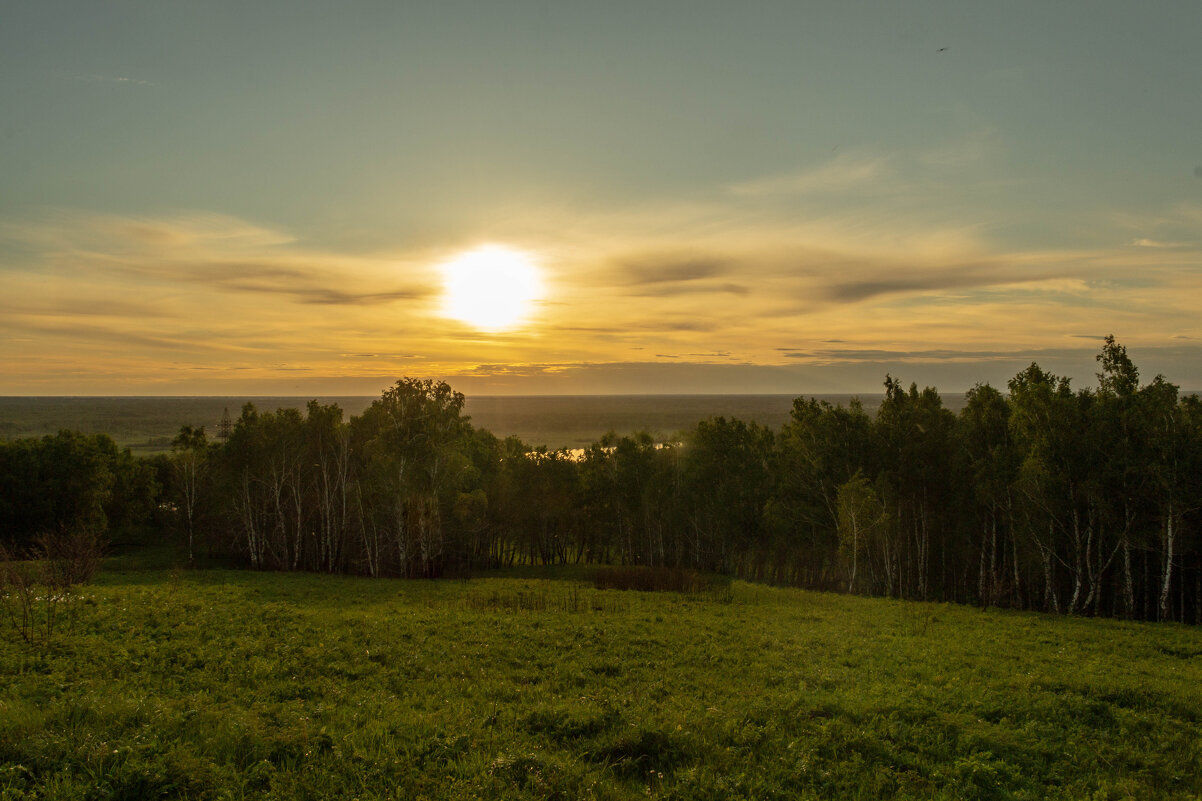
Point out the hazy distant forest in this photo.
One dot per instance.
(1083, 501)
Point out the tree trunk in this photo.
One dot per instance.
(855, 550)
(1077, 569)
(1128, 582)
(1169, 536)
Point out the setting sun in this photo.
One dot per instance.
(491, 288)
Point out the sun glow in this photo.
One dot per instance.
(491, 288)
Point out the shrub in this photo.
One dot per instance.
(32, 589)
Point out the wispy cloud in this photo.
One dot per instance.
(656, 268)
(145, 297)
(1152, 243)
(220, 253)
(968, 150)
(325, 296)
(1175, 227)
(851, 277)
(841, 355)
(840, 173)
(119, 80)
(723, 280)
(669, 290)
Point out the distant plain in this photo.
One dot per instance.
(147, 424)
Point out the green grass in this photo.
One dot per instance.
(228, 684)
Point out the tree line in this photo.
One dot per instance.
(1080, 501)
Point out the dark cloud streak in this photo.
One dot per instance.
(306, 284)
(664, 269)
(675, 290)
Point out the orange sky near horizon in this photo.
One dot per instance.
(715, 199)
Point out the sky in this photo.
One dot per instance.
(773, 197)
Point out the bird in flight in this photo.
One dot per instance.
(940, 50)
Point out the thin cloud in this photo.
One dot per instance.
(622, 288)
(1152, 243)
(885, 355)
(843, 172)
(812, 278)
(674, 290)
(80, 307)
(701, 326)
(1173, 228)
(902, 279)
(661, 325)
(118, 80)
(966, 151)
(660, 268)
(322, 296)
(140, 299)
(90, 333)
(664, 275)
(223, 254)
(592, 329)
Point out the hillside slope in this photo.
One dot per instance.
(215, 684)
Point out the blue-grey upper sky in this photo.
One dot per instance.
(217, 197)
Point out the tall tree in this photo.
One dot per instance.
(914, 437)
(818, 450)
(726, 479)
(189, 459)
(411, 441)
(1168, 446)
(1120, 478)
(863, 519)
(993, 465)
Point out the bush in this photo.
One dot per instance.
(32, 589)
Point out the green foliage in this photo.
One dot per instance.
(863, 522)
(210, 684)
(70, 482)
(726, 475)
(411, 446)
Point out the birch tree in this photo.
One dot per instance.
(189, 460)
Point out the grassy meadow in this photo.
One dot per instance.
(231, 684)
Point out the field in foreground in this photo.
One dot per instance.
(215, 684)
